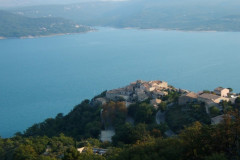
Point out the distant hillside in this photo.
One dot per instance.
(197, 15)
(17, 3)
(15, 26)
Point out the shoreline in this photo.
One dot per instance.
(125, 28)
(166, 29)
(44, 36)
(177, 30)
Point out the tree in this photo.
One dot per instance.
(159, 149)
(214, 111)
(90, 156)
(113, 153)
(25, 152)
(237, 103)
(139, 133)
(91, 142)
(216, 156)
(163, 106)
(83, 121)
(71, 154)
(227, 106)
(145, 114)
(59, 116)
(230, 89)
(46, 158)
(114, 113)
(195, 141)
(123, 134)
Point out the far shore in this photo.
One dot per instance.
(178, 30)
(94, 30)
(42, 36)
(167, 29)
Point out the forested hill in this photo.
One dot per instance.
(189, 15)
(161, 124)
(15, 26)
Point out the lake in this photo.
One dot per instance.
(45, 76)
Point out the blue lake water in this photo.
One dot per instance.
(44, 76)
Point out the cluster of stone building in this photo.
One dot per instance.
(140, 91)
(154, 90)
(209, 98)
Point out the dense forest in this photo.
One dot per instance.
(15, 26)
(141, 139)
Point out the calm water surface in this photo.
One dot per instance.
(44, 76)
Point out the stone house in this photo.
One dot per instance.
(100, 101)
(211, 100)
(112, 94)
(217, 119)
(159, 84)
(223, 92)
(214, 98)
(118, 93)
(187, 98)
(153, 85)
(141, 96)
(144, 87)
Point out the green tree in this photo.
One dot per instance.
(46, 158)
(216, 156)
(90, 142)
(163, 106)
(159, 149)
(230, 89)
(145, 114)
(25, 152)
(71, 154)
(114, 113)
(195, 144)
(83, 121)
(214, 111)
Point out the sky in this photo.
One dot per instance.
(20, 3)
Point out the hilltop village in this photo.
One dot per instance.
(172, 104)
(155, 91)
(140, 91)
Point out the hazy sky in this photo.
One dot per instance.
(16, 3)
(20, 3)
